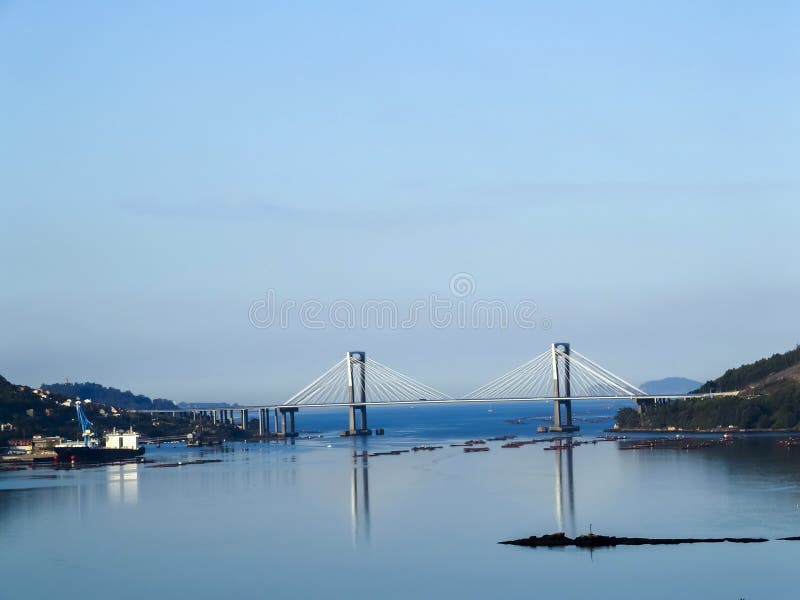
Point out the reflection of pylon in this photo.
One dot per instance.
(359, 499)
(561, 484)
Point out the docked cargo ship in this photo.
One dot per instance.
(119, 445)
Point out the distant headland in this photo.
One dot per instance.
(769, 399)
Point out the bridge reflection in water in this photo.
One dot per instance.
(565, 492)
(359, 499)
(359, 495)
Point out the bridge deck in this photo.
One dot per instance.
(443, 401)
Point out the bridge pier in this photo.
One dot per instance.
(263, 422)
(566, 425)
(558, 426)
(362, 413)
(357, 393)
(287, 430)
(244, 419)
(642, 404)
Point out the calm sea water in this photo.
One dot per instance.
(307, 519)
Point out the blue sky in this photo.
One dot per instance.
(630, 167)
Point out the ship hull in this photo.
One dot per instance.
(96, 455)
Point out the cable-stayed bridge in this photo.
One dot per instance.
(559, 374)
(556, 374)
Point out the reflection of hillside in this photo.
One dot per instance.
(121, 486)
(6, 504)
(762, 457)
(18, 503)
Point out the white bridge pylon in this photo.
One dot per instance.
(375, 383)
(557, 373)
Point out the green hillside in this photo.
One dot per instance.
(26, 411)
(753, 374)
(769, 398)
(780, 410)
(107, 395)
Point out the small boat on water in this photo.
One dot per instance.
(119, 445)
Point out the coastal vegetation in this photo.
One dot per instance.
(779, 410)
(769, 398)
(26, 411)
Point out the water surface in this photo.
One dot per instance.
(303, 519)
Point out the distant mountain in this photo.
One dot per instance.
(108, 395)
(670, 385)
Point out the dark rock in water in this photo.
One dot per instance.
(553, 540)
(793, 538)
(558, 540)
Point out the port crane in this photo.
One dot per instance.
(87, 428)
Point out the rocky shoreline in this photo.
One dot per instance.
(696, 431)
(591, 540)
